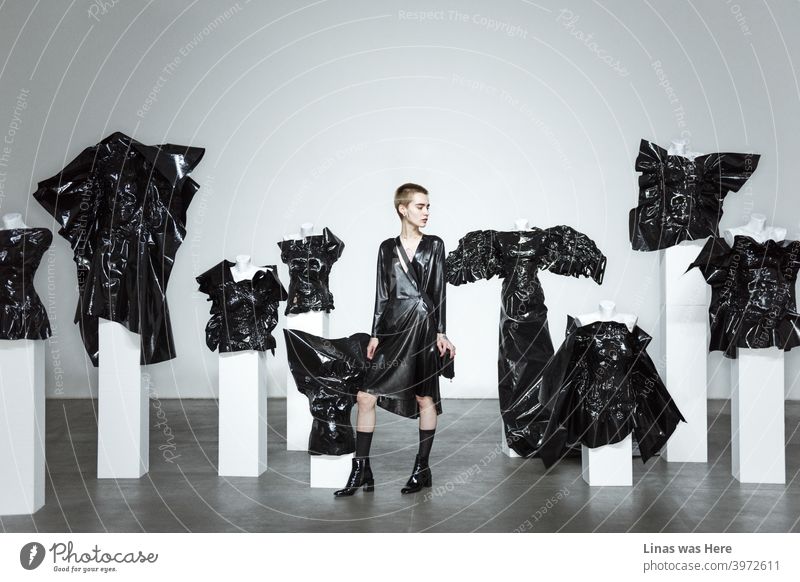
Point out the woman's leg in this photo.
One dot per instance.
(427, 425)
(365, 422)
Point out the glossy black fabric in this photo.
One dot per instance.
(753, 302)
(310, 261)
(525, 344)
(681, 198)
(122, 207)
(600, 387)
(22, 315)
(329, 373)
(243, 313)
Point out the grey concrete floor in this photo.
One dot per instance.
(476, 488)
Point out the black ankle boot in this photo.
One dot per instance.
(360, 474)
(420, 477)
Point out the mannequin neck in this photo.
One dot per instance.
(607, 309)
(13, 220)
(306, 229)
(244, 268)
(756, 223)
(522, 224)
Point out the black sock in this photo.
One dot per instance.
(425, 443)
(363, 442)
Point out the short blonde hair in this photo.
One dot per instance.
(405, 193)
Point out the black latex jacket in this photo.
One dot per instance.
(243, 313)
(122, 207)
(753, 302)
(525, 344)
(22, 315)
(310, 261)
(681, 198)
(329, 373)
(600, 387)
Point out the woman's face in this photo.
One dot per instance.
(417, 211)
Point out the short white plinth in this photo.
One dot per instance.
(609, 465)
(508, 451)
(330, 471)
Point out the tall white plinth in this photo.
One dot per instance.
(298, 417)
(242, 414)
(609, 465)
(122, 425)
(758, 452)
(22, 424)
(685, 351)
(330, 471)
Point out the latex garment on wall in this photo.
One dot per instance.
(243, 313)
(310, 261)
(329, 373)
(525, 344)
(22, 315)
(122, 207)
(681, 198)
(753, 302)
(600, 387)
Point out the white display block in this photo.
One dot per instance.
(758, 449)
(122, 426)
(242, 414)
(609, 465)
(509, 452)
(22, 426)
(330, 471)
(685, 350)
(298, 417)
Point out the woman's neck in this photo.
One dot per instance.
(409, 231)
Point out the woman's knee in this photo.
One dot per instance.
(366, 400)
(424, 401)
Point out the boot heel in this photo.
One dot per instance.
(369, 486)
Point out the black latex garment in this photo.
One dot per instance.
(122, 207)
(329, 373)
(243, 313)
(681, 198)
(310, 261)
(22, 315)
(753, 301)
(525, 344)
(600, 387)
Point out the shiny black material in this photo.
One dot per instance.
(22, 315)
(525, 344)
(243, 313)
(420, 477)
(753, 302)
(122, 207)
(329, 373)
(310, 261)
(681, 198)
(360, 474)
(602, 386)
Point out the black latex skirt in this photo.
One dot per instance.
(22, 315)
(681, 198)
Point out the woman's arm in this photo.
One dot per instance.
(381, 293)
(438, 288)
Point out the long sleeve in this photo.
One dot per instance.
(381, 292)
(439, 287)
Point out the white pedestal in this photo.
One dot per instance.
(242, 414)
(685, 345)
(609, 465)
(298, 417)
(509, 452)
(330, 471)
(22, 424)
(758, 452)
(122, 428)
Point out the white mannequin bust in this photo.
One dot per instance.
(13, 220)
(607, 311)
(244, 268)
(306, 230)
(757, 229)
(680, 147)
(522, 224)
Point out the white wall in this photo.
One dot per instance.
(317, 112)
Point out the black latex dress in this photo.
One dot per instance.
(681, 198)
(310, 261)
(329, 373)
(525, 344)
(122, 207)
(243, 313)
(753, 302)
(600, 387)
(22, 315)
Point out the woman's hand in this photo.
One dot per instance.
(445, 345)
(371, 347)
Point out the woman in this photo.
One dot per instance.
(408, 349)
